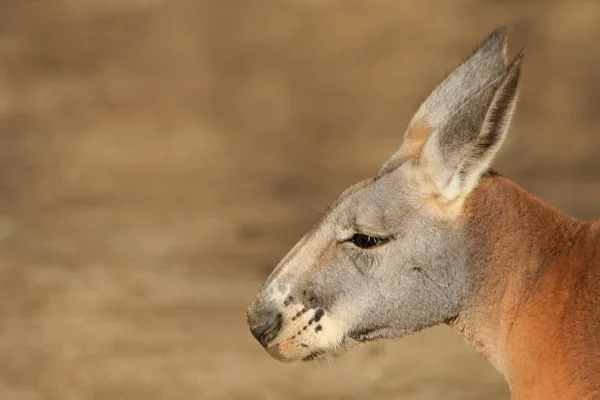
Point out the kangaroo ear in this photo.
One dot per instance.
(485, 65)
(462, 148)
(457, 131)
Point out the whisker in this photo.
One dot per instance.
(320, 213)
(323, 204)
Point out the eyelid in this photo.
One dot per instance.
(383, 238)
(347, 234)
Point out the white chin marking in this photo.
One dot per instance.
(307, 331)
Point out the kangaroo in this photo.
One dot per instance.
(437, 237)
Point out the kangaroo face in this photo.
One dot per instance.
(375, 266)
(388, 257)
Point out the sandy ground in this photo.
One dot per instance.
(159, 157)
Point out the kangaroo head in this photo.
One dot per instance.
(388, 257)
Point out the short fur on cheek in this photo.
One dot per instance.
(364, 260)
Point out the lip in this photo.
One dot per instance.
(366, 335)
(314, 356)
(354, 336)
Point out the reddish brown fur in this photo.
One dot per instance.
(534, 307)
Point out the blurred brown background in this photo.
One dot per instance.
(159, 157)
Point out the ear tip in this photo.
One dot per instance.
(498, 35)
(499, 32)
(513, 71)
(518, 60)
(495, 43)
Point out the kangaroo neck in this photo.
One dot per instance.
(525, 274)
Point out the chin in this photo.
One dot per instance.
(286, 352)
(372, 334)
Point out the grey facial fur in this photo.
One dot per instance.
(329, 292)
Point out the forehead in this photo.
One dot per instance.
(375, 203)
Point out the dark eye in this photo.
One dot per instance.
(366, 241)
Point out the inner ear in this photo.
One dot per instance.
(486, 64)
(415, 138)
(463, 149)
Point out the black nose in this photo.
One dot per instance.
(266, 326)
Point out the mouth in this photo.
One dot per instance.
(355, 336)
(316, 355)
(367, 335)
(314, 336)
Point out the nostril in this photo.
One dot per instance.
(260, 330)
(267, 329)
